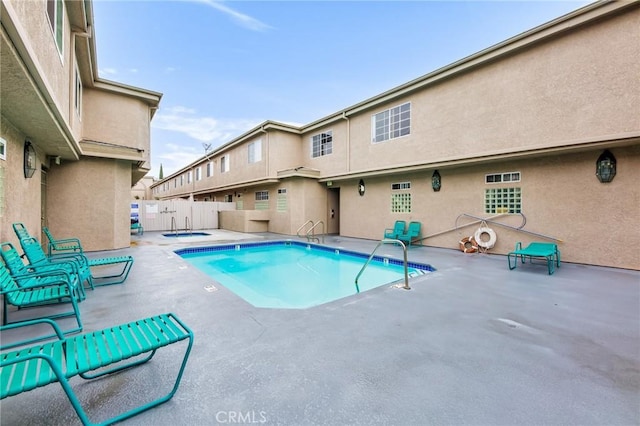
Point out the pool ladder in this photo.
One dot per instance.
(382, 242)
(174, 225)
(310, 234)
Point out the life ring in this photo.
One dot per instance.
(468, 245)
(492, 237)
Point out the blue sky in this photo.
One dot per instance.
(224, 67)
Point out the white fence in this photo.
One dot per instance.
(178, 214)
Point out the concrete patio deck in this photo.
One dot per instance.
(471, 344)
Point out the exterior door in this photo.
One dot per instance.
(333, 214)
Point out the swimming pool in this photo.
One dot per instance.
(293, 274)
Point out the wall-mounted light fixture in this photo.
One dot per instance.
(606, 167)
(361, 187)
(436, 181)
(29, 165)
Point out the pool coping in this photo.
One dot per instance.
(424, 267)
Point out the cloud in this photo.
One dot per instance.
(107, 71)
(204, 129)
(241, 19)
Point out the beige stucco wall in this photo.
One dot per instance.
(19, 197)
(39, 39)
(561, 197)
(116, 119)
(571, 89)
(90, 200)
(338, 160)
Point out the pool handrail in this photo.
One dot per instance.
(382, 242)
(313, 234)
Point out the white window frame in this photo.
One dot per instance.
(322, 144)
(501, 178)
(3, 149)
(224, 164)
(210, 169)
(189, 177)
(401, 186)
(254, 151)
(391, 123)
(78, 92)
(198, 173)
(503, 200)
(56, 23)
(262, 196)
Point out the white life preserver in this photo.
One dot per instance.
(492, 237)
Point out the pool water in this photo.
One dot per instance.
(293, 274)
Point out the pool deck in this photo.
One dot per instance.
(472, 343)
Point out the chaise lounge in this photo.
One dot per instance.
(88, 354)
(547, 251)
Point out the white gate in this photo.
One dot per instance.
(179, 214)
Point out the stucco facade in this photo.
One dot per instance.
(537, 109)
(91, 136)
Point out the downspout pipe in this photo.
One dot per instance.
(348, 147)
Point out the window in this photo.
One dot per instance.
(502, 200)
(400, 201)
(400, 186)
(392, 123)
(224, 163)
(181, 180)
(189, 176)
(175, 183)
(210, 169)
(77, 101)
(55, 12)
(281, 202)
(262, 200)
(322, 144)
(3, 149)
(198, 173)
(502, 177)
(228, 198)
(255, 151)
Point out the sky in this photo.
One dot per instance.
(224, 67)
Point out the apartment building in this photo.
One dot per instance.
(541, 131)
(71, 144)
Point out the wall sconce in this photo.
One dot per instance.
(606, 167)
(361, 187)
(29, 164)
(436, 181)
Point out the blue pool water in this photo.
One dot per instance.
(186, 234)
(290, 274)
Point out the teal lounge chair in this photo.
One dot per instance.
(21, 272)
(412, 234)
(395, 232)
(74, 263)
(35, 291)
(92, 355)
(63, 245)
(108, 277)
(137, 226)
(84, 265)
(547, 251)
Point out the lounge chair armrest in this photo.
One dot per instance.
(38, 285)
(69, 256)
(20, 324)
(43, 274)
